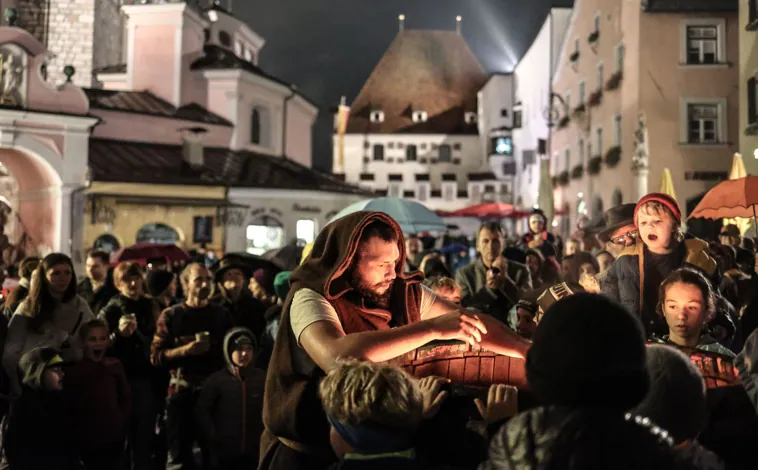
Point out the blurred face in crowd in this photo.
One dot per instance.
(131, 286)
(729, 240)
(59, 277)
(199, 283)
(572, 247)
(566, 268)
(587, 269)
(233, 282)
(489, 244)
(172, 287)
(534, 264)
(412, 248)
(451, 294)
(96, 344)
(525, 324)
(657, 228)
(96, 269)
(374, 271)
(497, 272)
(243, 355)
(686, 313)
(625, 236)
(605, 260)
(536, 224)
(52, 379)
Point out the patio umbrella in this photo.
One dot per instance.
(730, 198)
(411, 216)
(141, 252)
(486, 210)
(667, 184)
(738, 171)
(286, 257)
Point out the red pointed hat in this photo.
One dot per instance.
(662, 198)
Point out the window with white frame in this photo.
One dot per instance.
(378, 152)
(598, 141)
(306, 230)
(617, 130)
(703, 41)
(582, 92)
(377, 116)
(599, 76)
(448, 191)
(421, 192)
(620, 51)
(394, 190)
(704, 121)
(420, 116)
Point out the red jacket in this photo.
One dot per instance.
(98, 402)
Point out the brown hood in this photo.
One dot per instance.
(326, 269)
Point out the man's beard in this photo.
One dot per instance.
(370, 296)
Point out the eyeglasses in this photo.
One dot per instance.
(625, 238)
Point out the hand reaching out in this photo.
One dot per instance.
(461, 325)
(433, 398)
(502, 403)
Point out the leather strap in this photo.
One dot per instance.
(304, 449)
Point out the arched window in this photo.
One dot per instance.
(255, 127)
(618, 198)
(411, 153)
(107, 243)
(157, 233)
(224, 38)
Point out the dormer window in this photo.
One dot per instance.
(470, 117)
(377, 116)
(419, 116)
(224, 38)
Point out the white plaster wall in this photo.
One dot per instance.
(299, 141)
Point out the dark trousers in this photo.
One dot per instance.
(107, 458)
(142, 425)
(182, 432)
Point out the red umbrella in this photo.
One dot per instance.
(729, 199)
(145, 251)
(487, 210)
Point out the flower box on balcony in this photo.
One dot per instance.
(594, 165)
(614, 81)
(563, 178)
(595, 98)
(564, 122)
(577, 172)
(613, 156)
(593, 37)
(580, 109)
(574, 56)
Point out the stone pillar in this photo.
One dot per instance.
(641, 179)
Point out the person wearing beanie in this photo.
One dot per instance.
(230, 407)
(161, 286)
(660, 249)
(262, 286)
(586, 368)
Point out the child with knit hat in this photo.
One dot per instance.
(661, 248)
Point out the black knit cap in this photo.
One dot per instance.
(588, 352)
(156, 282)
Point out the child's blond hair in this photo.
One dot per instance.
(364, 393)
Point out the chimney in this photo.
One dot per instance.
(458, 20)
(192, 146)
(401, 20)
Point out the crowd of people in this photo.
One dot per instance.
(637, 341)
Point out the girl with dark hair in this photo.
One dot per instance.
(49, 317)
(21, 291)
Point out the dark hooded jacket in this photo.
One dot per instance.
(36, 434)
(97, 298)
(230, 406)
(639, 273)
(292, 412)
(134, 351)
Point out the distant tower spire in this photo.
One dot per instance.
(401, 20)
(458, 20)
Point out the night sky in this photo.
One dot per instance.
(328, 48)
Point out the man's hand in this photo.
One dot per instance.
(590, 284)
(536, 243)
(127, 326)
(196, 348)
(460, 325)
(502, 403)
(433, 398)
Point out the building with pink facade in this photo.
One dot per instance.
(183, 139)
(641, 86)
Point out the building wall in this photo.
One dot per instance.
(285, 207)
(124, 220)
(299, 141)
(748, 63)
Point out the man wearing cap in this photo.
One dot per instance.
(660, 249)
(231, 277)
(352, 299)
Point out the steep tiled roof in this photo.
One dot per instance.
(673, 6)
(149, 163)
(432, 71)
(218, 58)
(144, 102)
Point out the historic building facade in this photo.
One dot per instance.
(645, 85)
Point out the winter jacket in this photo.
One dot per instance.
(37, 432)
(246, 312)
(629, 270)
(61, 333)
(230, 407)
(473, 278)
(97, 298)
(98, 402)
(561, 438)
(133, 351)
